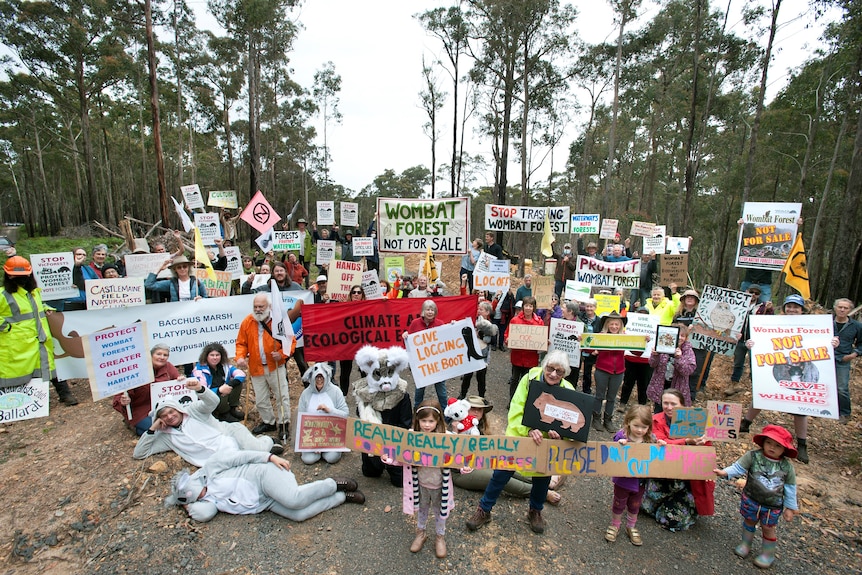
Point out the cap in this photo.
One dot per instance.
(320, 278)
(567, 245)
(779, 435)
(348, 232)
(754, 288)
(17, 266)
(519, 304)
(794, 298)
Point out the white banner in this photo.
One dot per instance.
(526, 219)
(565, 336)
(208, 224)
(117, 359)
(286, 241)
(326, 213)
(21, 402)
(142, 265)
(585, 223)
(161, 390)
(349, 214)
(444, 352)
(720, 316)
(192, 196)
(677, 245)
(113, 293)
(595, 272)
(325, 252)
(793, 364)
(223, 199)
(412, 226)
(259, 280)
(53, 273)
(363, 246)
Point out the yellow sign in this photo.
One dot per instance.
(613, 341)
(606, 303)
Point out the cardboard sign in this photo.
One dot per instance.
(722, 420)
(117, 359)
(286, 241)
(218, 286)
(326, 213)
(609, 229)
(577, 291)
(595, 272)
(343, 275)
(320, 433)
(413, 225)
(720, 316)
(192, 196)
(142, 265)
(565, 335)
(552, 407)
(534, 337)
(371, 285)
(676, 245)
(606, 303)
(223, 199)
(393, 265)
(444, 352)
(767, 234)
(111, 293)
(673, 269)
(162, 390)
(363, 246)
(643, 229)
(349, 214)
(585, 223)
(688, 422)
(526, 219)
(543, 288)
(491, 281)
(325, 252)
(53, 273)
(613, 341)
(21, 402)
(259, 214)
(793, 364)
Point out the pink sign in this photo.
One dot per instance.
(260, 214)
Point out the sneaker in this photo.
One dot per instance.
(479, 518)
(537, 524)
(354, 497)
(345, 484)
(264, 428)
(276, 449)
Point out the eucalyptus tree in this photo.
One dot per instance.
(431, 99)
(326, 90)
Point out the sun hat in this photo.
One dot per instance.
(320, 278)
(611, 315)
(691, 292)
(180, 260)
(141, 246)
(480, 402)
(779, 435)
(794, 298)
(17, 266)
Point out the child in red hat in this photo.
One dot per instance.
(769, 492)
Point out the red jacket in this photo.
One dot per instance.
(611, 361)
(523, 357)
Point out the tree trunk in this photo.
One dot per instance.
(179, 75)
(689, 180)
(253, 130)
(93, 209)
(616, 109)
(154, 109)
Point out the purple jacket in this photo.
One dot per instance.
(683, 367)
(630, 483)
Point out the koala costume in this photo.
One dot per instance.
(312, 399)
(381, 397)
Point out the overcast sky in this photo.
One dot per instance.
(377, 48)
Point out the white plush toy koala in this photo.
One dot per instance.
(458, 410)
(382, 387)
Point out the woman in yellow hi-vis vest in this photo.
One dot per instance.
(26, 349)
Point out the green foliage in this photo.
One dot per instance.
(48, 245)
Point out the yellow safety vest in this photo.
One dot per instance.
(26, 346)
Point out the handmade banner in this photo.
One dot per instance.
(577, 291)
(642, 324)
(585, 224)
(142, 265)
(552, 407)
(444, 352)
(234, 261)
(117, 359)
(409, 225)
(720, 316)
(606, 303)
(218, 286)
(673, 269)
(223, 199)
(534, 337)
(609, 229)
(349, 214)
(337, 330)
(493, 282)
(184, 326)
(613, 341)
(326, 213)
(363, 246)
(21, 402)
(676, 245)
(371, 285)
(551, 457)
(719, 421)
(643, 229)
(793, 364)
(608, 274)
(53, 273)
(526, 219)
(655, 242)
(208, 224)
(286, 241)
(343, 275)
(767, 234)
(565, 335)
(543, 289)
(162, 390)
(393, 266)
(320, 433)
(112, 293)
(259, 214)
(192, 196)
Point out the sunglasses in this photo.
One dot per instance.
(557, 370)
(354, 292)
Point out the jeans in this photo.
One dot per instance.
(559, 288)
(501, 477)
(440, 387)
(704, 361)
(607, 386)
(842, 378)
(587, 363)
(739, 355)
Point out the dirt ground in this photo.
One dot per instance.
(72, 500)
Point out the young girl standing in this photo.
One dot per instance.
(610, 368)
(424, 486)
(629, 491)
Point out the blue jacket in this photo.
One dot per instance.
(233, 376)
(171, 286)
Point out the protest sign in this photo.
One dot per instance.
(286, 241)
(564, 335)
(609, 229)
(577, 291)
(717, 326)
(349, 214)
(550, 267)
(606, 303)
(343, 275)
(21, 402)
(264, 241)
(371, 285)
(192, 196)
(142, 265)
(543, 289)
(491, 281)
(673, 269)
(676, 245)
(176, 389)
(688, 422)
(614, 341)
(223, 199)
(218, 286)
(483, 262)
(625, 274)
(117, 359)
(553, 407)
(444, 352)
(337, 330)
(550, 457)
(326, 213)
(363, 246)
(234, 261)
(643, 229)
(318, 432)
(642, 324)
(112, 293)
(411, 225)
(767, 234)
(722, 420)
(655, 242)
(526, 219)
(499, 266)
(53, 273)
(534, 337)
(393, 266)
(585, 224)
(259, 214)
(208, 224)
(259, 280)
(325, 252)
(793, 364)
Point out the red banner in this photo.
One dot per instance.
(337, 330)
